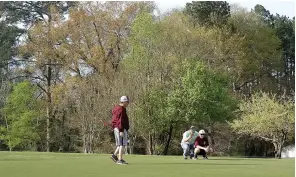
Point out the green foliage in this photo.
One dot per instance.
(257, 53)
(151, 111)
(179, 68)
(28, 12)
(264, 13)
(208, 13)
(202, 96)
(142, 41)
(284, 28)
(265, 117)
(21, 112)
(8, 37)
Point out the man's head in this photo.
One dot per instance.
(192, 129)
(202, 133)
(124, 101)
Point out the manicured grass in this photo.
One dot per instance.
(29, 164)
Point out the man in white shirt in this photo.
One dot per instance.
(188, 140)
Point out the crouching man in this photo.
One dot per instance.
(201, 145)
(188, 141)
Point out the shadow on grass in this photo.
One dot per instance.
(229, 159)
(209, 164)
(19, 160)
(243, 159)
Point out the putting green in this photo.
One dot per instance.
(30, 164)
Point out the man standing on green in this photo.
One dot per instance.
(188, 141)
(120, 125)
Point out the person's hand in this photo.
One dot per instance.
(211, 150)
(121, 134)
(190, 135)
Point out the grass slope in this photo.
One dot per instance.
(29, 164)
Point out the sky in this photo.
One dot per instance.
(282, 7)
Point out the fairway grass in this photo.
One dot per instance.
(30, 164)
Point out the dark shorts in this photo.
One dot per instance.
(202, 152)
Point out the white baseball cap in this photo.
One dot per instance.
(201, 132)
(124, 99)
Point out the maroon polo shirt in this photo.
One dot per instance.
(203, 142)
(120, 118)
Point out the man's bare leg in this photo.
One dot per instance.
(196, 151)
(114, 156)
(120, 155)
(116, 151)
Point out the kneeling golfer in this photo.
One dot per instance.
(201, 145)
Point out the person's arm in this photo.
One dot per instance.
(207, 145)
(120, 125)
(206, 148)
(188, 138)
(200, 147)
(121, 122)
(196, 145)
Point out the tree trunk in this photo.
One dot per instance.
(84, 144)
(210, 135)
(166, 148)
(277, 150)
(150, 144)
(7, 128)
(48, 107)
(279, 145)
(154, 144)
(91, 143)
(47, 128)
(48, 117)
(131, 144)
(131, 148)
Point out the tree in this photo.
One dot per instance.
(153, 67)
(241, 48)
(9, 35)
(248, 49)
(8, 50)
(266, 118)
(208, 13)
(22, 115)
(202, 96)
(142, 61)
(89, 43)
(156, 67)
(265, 14)
(42, 64)
(29, 12)
(92, 107)
(285, 31)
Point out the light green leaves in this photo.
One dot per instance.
(265, 116)
(21, 114)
